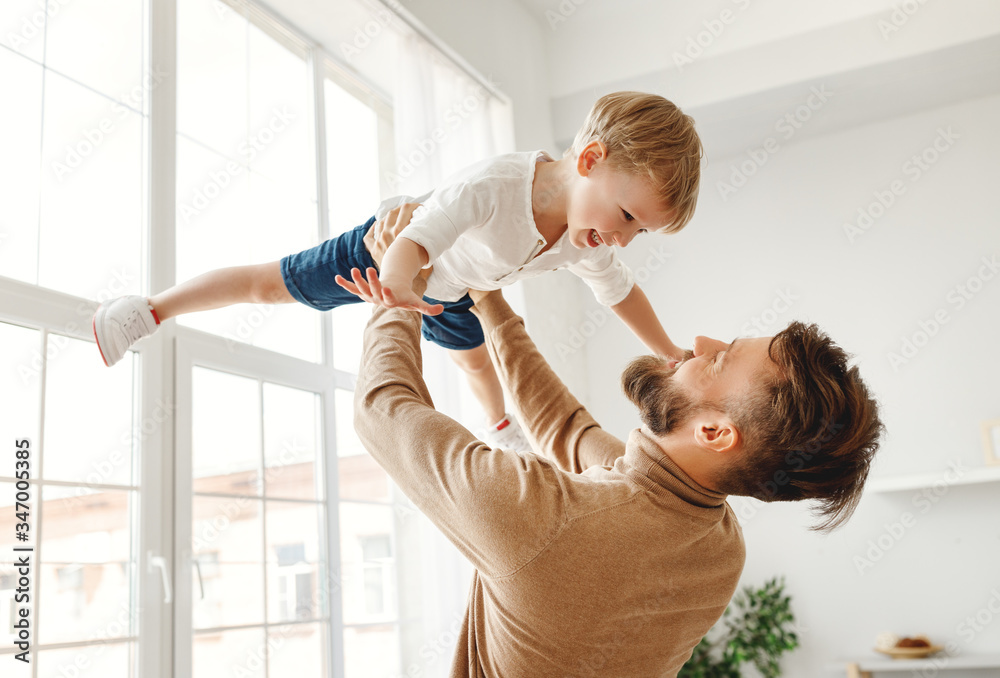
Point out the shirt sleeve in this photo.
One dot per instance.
(446, 215)
(499, 508)
(606, 275)
(561, 427)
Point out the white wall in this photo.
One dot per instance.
(783, 234)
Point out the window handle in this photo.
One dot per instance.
(201, 584)
(161, 563)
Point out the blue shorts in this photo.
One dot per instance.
(310, 278)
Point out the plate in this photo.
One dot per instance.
(910, 652)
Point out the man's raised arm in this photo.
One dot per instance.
(499, 508)
(559, 424)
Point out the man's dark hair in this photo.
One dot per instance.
(812, 434)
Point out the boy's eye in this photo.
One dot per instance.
(628, 217)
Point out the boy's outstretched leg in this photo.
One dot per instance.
(121, 322)
(502, 429)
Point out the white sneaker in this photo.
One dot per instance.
(506, 434)
(121, 322)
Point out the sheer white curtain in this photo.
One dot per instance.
(443, 120)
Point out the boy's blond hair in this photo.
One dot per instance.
(647, 134)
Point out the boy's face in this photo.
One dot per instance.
(610, 206)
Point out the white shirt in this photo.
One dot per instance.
(479, 233)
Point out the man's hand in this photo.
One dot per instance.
(390, 295)
(388, 292)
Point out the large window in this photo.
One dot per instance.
(204, 507)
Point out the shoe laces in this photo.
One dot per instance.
(132, 327)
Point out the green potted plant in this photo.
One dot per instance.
(757, 628)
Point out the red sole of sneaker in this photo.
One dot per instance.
(93, 326)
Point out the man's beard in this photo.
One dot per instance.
(663, 404)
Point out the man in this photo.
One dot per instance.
(598, 557)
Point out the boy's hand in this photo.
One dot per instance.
(391, 294)
(676, 353)
(384, 232)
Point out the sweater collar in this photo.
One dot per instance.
(654, 470)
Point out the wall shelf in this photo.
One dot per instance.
(940, 663)
(985, 474)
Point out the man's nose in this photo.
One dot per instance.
(703, 345)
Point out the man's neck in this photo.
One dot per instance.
(550, 197)
(695, 462)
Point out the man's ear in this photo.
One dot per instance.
(715, 432)
(591, 154)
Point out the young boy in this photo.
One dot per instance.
(633, 167)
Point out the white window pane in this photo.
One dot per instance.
(372, 652)
(232, 653)
(225, 445)
(279, 143)
(212, 75)
(369, 583)
(291, 432)
(359, 476)
(228, 530)
(88, 422)
(293, 552)
(86, 565)
(348, 443)
(229, 217)
(20, 372)
(212, 205)
(101, 660)
(281, 222)
(97, 43)
(22, 27)
(227, 541)
(299, 650)
(348, 335)
(21, 139)
(91, 193)
(352, 159)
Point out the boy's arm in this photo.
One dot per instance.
(638, 314)
(558, 423)
(391, 285)
(499, 508)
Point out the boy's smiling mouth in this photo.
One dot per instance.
(594, 239)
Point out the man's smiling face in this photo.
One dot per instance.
(716, 371)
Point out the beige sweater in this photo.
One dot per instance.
(596, 558)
